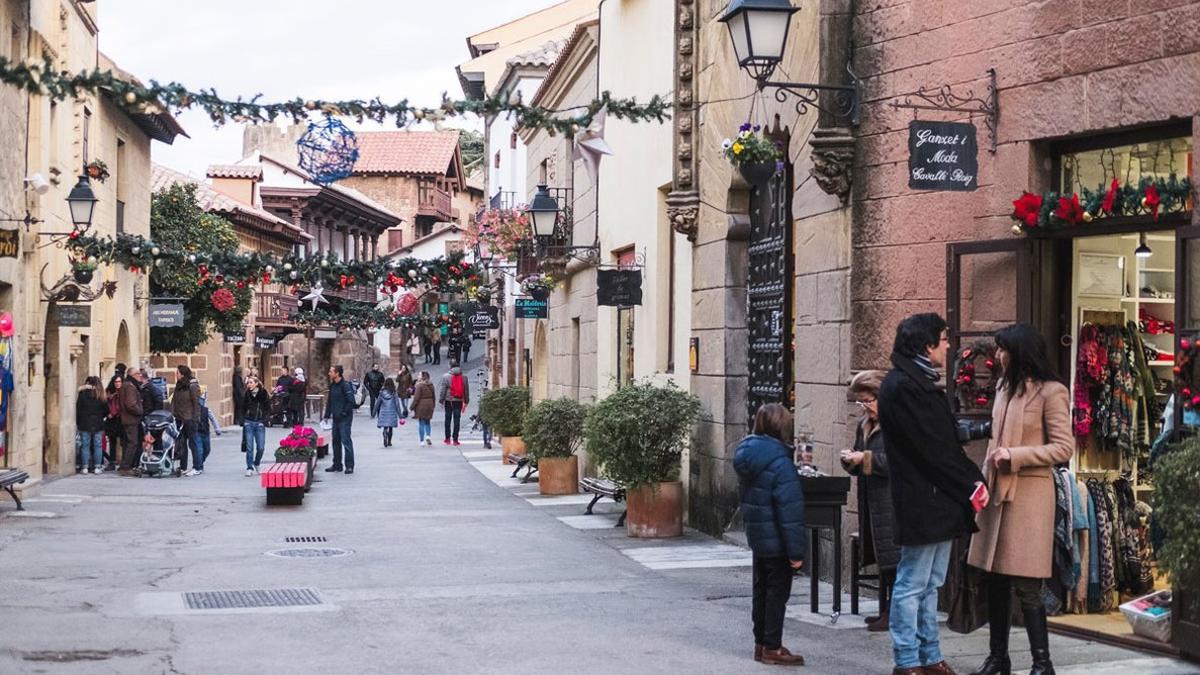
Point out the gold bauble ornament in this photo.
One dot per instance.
(130, 97)
(418, 114)
(1087, 217)
(1016, 229)
(310, 105)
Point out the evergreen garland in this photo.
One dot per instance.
(1053, 210)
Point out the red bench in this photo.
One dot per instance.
(285, 482)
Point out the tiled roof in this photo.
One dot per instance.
(209, 199)
(405, 152)
(334, 187)
(544, 55)
(253, 171)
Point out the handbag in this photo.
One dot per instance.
(966, 591)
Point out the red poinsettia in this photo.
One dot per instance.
(1027, 209)
(1070, 210)
(1110, 198)
(223, 300)
(346, 281)
(1152, 200)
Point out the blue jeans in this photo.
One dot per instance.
(343, 443)
(89, 448)
(424, 430)
(201, 446)
(254, 434)
(404, 404)
(914, 621)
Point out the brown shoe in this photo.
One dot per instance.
(939, 668)
(878, 625)
(908, 671)
(758, 650)
(125, 472)
(781, 657)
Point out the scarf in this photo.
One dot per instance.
(926, 367)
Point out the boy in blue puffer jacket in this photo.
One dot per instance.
(773, 512)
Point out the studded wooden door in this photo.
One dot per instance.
(769, 295)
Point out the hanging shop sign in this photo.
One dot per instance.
(235, 338)
(618, 288)
(266, 342)
(484, 318)
(325, 333)
(942, 156)
(10, 243)
(166, 315)
(528, 308)
(73, 316)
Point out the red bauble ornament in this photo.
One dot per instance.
(1195, 401)
(990, 364)
(266, 277)
(981, 400)
(1185, 344)
(134, 268)
(74, 235)
(223, 300)
(241, 284)
(1177, 370)
(220, 278)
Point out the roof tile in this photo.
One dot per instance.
(405, 152)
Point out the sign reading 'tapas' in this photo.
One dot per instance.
(942, 156)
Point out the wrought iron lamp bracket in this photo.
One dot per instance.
(944, 99)
(846, 99)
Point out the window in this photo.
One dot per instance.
(119, 179)
(87, 126)
(544, 172)
(497, 160)
(512, 141)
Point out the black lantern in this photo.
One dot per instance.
(759, 29)
(543, 211)
(82, 202)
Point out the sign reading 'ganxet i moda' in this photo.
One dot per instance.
(942, 156)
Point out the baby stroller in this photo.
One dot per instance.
(159, 460)
(279, 408)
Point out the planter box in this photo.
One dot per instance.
(655, 511)
(511, 445)
(558, 475)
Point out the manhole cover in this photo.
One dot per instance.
(276, 597)
(304, 540)
(310, 553)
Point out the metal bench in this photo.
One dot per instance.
(285, 482)
(9, 478)
(603, 487)
(524, 462)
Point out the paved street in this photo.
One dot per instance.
(453, 567)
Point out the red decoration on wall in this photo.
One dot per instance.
(223, 300)
(1110, 197)
(1152, 200)
(1070, 210)
(1026, 208)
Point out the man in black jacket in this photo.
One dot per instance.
(932, 481)
(340, 408)
(374, 383)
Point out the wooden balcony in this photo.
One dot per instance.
(275, 308)
(434, 202)
(357, 293)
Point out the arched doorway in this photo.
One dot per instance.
(541, 363)
(123, 354)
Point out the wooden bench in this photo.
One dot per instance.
(9, 478)
(285, 482)
(603, 487)
(524, 462)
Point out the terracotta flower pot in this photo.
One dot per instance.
(511, 445)
(558, 475)
(757, 173)
(655, 511)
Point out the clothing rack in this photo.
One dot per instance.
(1102, 317)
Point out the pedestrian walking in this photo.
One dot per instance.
(239, 396)
(297, 394)
(131, 419)
(206, 427)
(1031, 433)
(423, 402)
(427, 346)
(932, 483)
(435, 338)
(455, 336)
(373, 381)
(340, 409)
(185, 405)
(91, 407)
(868, 461)
(414, 350)
(773, 511)
(254, 428)
(112, 422)
(387, 416)
(404, 387)
(455, 393)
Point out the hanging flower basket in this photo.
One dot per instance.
(97, 170)
(756, 157)
(538, 286)
(83, 275)
(757, 173)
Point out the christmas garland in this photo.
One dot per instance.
(1185, 373)
(46, 80)
(1051, 211)
(358, 316)
(970, 393)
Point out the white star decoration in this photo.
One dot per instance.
(316, 295)
(590, 145)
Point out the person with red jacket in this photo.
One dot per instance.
(455, 393)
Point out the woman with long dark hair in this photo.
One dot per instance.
(1031, 433)
(185, 405)
(90, 409)
(112, 420)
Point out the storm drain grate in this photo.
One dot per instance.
(309, 552)
(304, 540)
(277, 597)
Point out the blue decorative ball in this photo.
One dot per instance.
(328, 151)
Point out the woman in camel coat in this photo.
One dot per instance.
(1031, 433)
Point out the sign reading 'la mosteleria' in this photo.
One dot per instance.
(942, 156)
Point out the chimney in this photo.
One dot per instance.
(239, 181)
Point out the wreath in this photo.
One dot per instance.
(971, 386)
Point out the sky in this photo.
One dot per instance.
(393, 49)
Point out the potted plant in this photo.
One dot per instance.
(504, 411)
(538, 286)
(553, 432)
(97, 170)
(83, 269)
(299, 446)
(638, 434)
(1176, 503)
(755, 156)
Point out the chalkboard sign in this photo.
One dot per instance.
(73, 316)
(267, 342)
(483, 318)
(528, 308)
(166, 315)
(942, 156)
(618, 288)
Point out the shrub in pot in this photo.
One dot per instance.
(553, 432)
(1176, 504)
(638, 434)
(504, 410)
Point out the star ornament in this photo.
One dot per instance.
(590, 145)
(316, 296)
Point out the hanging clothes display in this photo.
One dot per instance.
(1115, 397)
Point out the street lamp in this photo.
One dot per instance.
(82, 202)
(543, 211)
(759, 31)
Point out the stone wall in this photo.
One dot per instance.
(398, 194)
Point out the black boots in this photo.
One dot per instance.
(999, 595)
(1039, 640)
